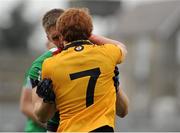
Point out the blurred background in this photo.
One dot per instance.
(150, 75)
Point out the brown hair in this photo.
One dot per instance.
(75, 24)
(49, 19)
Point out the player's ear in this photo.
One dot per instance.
(61, 41)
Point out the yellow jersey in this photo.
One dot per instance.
(82, 82)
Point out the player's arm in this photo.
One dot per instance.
(34, 74)
(122, 103)
(43, 110)
(44, 105)
(97, 39)
(26, 105)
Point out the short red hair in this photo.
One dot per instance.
(75, 24)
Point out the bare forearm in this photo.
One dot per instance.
(97, 39)
(44, 111)
(122, 103)
(26, 105)
(28, 111)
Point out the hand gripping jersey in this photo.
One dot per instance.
(82, 76)
(32, 75)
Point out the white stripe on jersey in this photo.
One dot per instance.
(53, 49)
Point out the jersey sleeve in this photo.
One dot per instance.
(36, 68)
(31, 78)
(26, 82)
(115, 53)
(35, 72)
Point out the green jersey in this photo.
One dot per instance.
(32, 75)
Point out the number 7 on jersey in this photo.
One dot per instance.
(94, 74)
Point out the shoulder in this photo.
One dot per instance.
(46, 55)
(36, 66)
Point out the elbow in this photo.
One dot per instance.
(123, 114)
(122, 104)
(124, 54)
(125, 109)
(122, 109)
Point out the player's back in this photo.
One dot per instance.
(84, 88)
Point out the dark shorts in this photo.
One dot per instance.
(104, 129)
